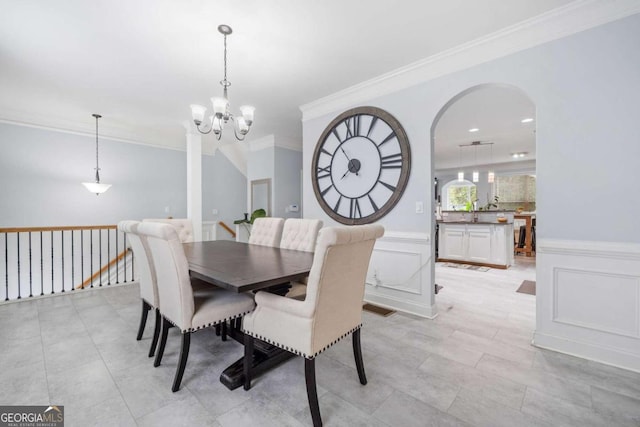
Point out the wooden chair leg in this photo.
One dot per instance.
(163, 341)
(218, 330)
(357, 355)
(143, 319)
(224, 331)
(248, 360)
(312, 393)
(156, 333)
(184, 354)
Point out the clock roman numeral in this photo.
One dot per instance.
(323, 172)
(389, 186)
(353, 126)
(322, 150)
(388, 138)
(393, 161)
(337, 206)
(354, 209)
(372, 125)
(326, 190)
(335, 133)
(373, 204)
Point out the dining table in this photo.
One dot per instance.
(244, 267)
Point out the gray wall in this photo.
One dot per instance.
(288, 164)
(586, 89)
(41, 173)
(224, 188)
(260, 165)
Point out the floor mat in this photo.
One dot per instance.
(467, 266)
(527, 287)
(378, 310)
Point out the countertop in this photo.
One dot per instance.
(472, 222)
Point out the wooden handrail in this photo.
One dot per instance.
(103, 269)
(60, 228)
(227, 228)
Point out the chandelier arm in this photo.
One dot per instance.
(205, 132)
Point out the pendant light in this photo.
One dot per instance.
(460, 172)
(476, 174)
(96, 187)
(491, 176)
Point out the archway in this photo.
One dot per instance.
(485, 137)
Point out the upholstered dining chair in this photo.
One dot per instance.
(183, 226)
(266, 231)
(147, 279)
(179, 305)
(300, 235)
(331, 311)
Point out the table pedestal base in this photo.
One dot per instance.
(265, 357)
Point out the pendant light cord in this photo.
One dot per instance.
(97, 116)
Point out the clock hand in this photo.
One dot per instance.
(349, 164)
(345, 174)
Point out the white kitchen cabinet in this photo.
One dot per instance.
(478, 243)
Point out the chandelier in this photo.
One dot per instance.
(221, 114)
(96, 187)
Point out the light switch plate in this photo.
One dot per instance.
(419, 207)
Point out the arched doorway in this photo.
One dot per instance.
(483, 161)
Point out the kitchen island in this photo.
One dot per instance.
(479, 239)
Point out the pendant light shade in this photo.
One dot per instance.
(96, 187)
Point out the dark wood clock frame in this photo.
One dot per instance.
(404, 163)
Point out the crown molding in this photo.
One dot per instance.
(561, 22)
(288, 143)
(268, 141)
(56, 124)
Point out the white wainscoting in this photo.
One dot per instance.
(399, 275)
(588, 300)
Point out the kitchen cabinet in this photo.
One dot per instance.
(476, 243)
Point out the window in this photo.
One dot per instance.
(457, 194)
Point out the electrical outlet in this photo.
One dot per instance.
(214, 211)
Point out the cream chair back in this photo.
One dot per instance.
(335, 289)
(142, 259)
(266, 231)
(183, 226)
(300, 234)
(172, 270)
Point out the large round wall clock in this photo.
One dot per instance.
(361, 165)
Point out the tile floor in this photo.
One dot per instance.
(471, 366)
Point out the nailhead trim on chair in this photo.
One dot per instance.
(296, 352)
(184, 331)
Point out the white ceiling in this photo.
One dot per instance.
(141, 63)
(497, 111)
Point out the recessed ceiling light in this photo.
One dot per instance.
(527, 120)
(474, 130)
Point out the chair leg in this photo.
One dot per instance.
(184, 354)
(224, 331)
(143, 319)
(248, 360)
(357, 355)
(312, 393)
(163, 341)
(156, 333)
(218, 329)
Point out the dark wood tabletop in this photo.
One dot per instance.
(242, 267)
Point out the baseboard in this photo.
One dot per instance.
(601, 354)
